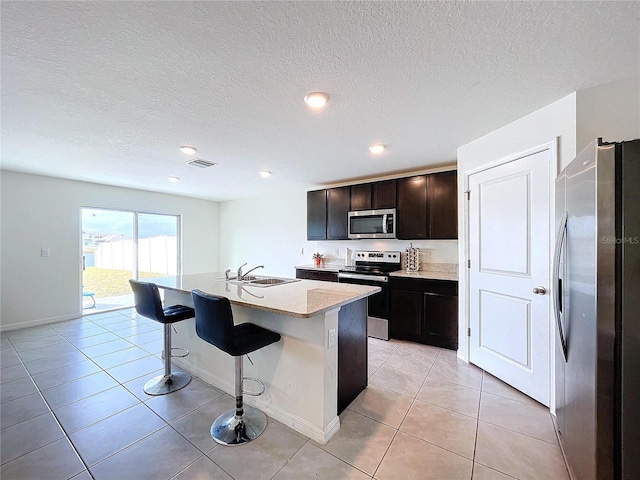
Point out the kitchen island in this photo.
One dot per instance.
(316, 369)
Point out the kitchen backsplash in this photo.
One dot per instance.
(435, 254)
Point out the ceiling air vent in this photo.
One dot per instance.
(199, 162)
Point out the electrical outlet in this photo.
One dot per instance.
(332, 337)
(337, 251)
(45, 252)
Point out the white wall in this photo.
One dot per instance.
(44, 212)
(553, 123)
(266, 230)
(610, 111)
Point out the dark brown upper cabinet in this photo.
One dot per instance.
(442, 192)
(361, 197)
(383, 194)
(412, 221)
(337, 213)
(426, 207)
(317, 215)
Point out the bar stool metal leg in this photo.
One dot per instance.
(241, 425)
(170, 381)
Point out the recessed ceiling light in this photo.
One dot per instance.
(316, 99)
(377, 148)
(188, 149)
(265, 173)
(174, 179)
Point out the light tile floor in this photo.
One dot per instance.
(72, 406)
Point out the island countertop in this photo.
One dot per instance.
(302, 298)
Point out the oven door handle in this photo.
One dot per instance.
(370, 278)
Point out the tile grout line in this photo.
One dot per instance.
(64, 432)
(52, 412)
(285, 463)
(166, 422)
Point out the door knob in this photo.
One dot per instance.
(540, 291)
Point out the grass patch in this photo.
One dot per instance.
(110, 283)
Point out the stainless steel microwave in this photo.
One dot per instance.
(373, 223)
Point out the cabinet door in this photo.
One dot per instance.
(443, 205)
(406, 315)
(337, 213)
(441, 320)
(384, 194)
(361, 197)
(317, 215)
(412, 208)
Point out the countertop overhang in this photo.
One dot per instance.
(302, 299)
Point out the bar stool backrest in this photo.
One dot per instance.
(147, 299)
(214, 320)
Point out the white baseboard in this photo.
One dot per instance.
(37, 323)
(298, 424)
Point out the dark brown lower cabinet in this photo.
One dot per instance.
(406, 315)
(316, 275)
(425, 311)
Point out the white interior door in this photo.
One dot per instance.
(509, 217)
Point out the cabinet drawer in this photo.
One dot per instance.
(442, 287)
(316, 275)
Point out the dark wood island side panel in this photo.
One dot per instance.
(352, 352)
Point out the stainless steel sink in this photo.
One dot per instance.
(256, 281)
(271, 281)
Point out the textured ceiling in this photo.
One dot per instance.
(107, 91)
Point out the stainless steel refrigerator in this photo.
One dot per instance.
(597, 311)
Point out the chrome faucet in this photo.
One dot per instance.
(239, 275)
(254, 268)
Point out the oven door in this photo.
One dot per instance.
(378, 315)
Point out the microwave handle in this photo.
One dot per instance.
(384, 223)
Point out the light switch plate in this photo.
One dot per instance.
(45, 252)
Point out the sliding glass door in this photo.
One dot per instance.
(118, 245)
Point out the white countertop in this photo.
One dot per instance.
(330, 267)
(426, 275)
(302, 298)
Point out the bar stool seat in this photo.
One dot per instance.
(149, 305)
(214, 325)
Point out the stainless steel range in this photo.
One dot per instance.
(373, 268)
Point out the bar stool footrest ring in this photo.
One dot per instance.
(253, 394)
(186, 352)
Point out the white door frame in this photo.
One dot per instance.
(551, 146)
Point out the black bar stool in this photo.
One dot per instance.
(214, 324)
(148, 304)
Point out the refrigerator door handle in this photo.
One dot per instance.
(558, 287)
